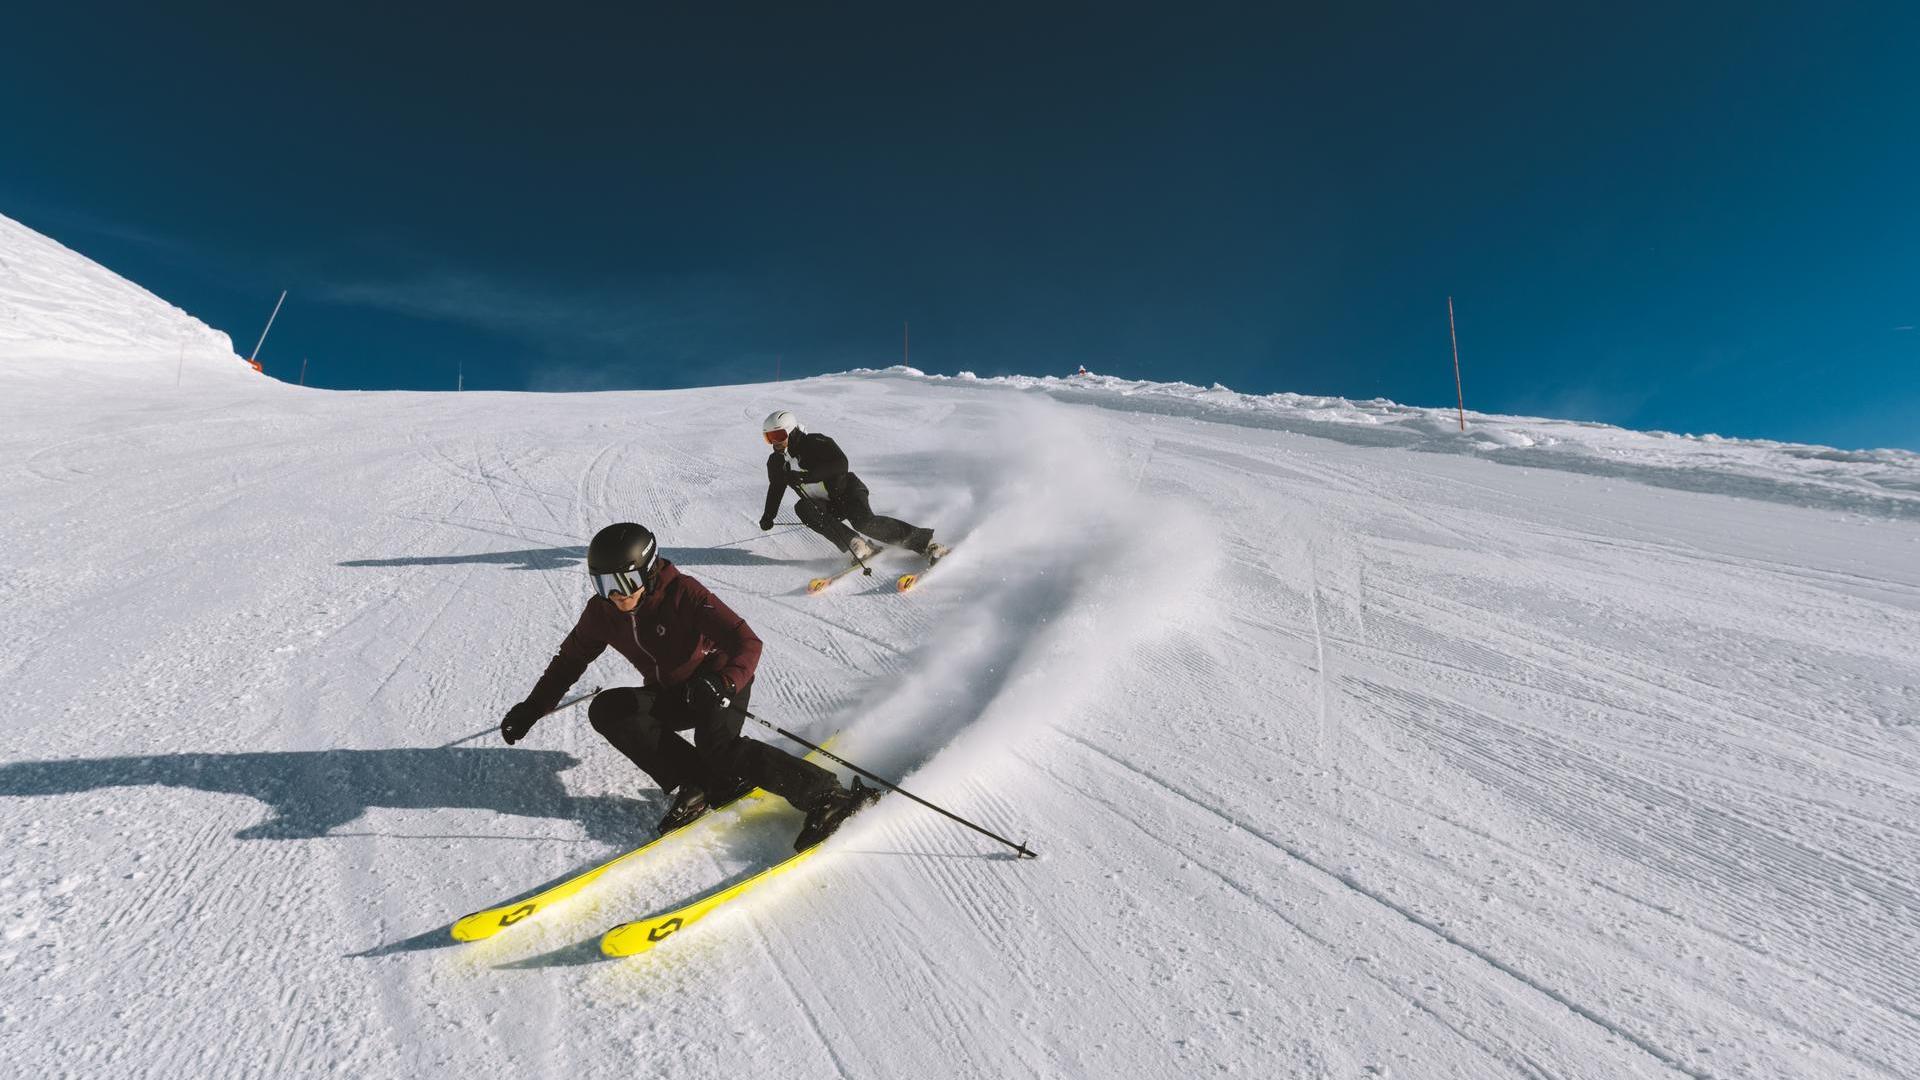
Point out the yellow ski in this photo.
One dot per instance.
(485, 924)
(905, 582)
(819, 584)
(629, 939)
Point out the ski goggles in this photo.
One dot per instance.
(618, 583)
(776, 436)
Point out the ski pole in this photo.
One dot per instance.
(567, 704)
(572, 701)
(891, 786)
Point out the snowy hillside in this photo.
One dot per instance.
(66, 318)
(1344, 757)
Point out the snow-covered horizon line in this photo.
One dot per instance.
(1221, 394)
(1884, 482)
(64, 309)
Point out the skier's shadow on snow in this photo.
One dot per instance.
(315, 791)
(726, 556)
(556, 558)
(574, 558)
(311, 793)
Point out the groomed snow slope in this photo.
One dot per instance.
(1344, 759)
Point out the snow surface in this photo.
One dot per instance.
(1353, 746)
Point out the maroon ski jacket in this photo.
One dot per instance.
(678, 630)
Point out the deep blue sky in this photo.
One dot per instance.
(1694, 217)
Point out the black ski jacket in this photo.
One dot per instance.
(808, 459)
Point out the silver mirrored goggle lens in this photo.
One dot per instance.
(618, 584)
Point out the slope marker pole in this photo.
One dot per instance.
(1459, 396)
(255, 358)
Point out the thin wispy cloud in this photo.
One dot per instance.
(626, 316)
(57, 221)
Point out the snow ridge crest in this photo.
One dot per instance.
(62, 315)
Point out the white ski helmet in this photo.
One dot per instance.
(781, 422)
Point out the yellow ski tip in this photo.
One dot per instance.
(634, 938)
(817, 584)
(474, 928)
(906, 581)
(484, 924)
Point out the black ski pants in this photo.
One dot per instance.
(645, 724)
(825, 516)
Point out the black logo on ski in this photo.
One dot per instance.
(516, 914)
(664, 929)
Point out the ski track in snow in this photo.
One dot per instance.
(1343, 759)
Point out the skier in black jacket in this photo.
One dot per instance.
(831, 497)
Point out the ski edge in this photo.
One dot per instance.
(634, 938)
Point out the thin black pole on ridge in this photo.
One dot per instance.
(1458, 394)
(1022, 848)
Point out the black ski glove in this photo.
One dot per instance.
(766, 523)
(708, 692)
(518, 721)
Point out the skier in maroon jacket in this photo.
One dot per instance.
(698, 659)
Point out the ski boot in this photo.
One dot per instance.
(689, 802)
(862, 549)
(936, 552)
(833, 810)
(732, 793)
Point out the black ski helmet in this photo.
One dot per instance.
(623, 555)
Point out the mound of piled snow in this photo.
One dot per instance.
(64, 317)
